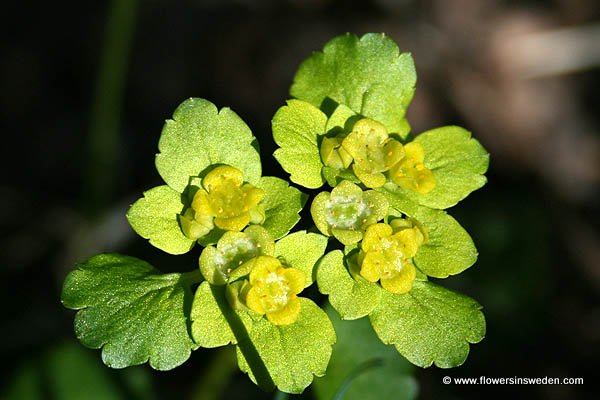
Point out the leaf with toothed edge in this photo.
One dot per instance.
(199, 136)
(429, 324)
(449, 250)
(282, 203)
(131, 311)
(458, 163)
(296, 129)
(282, 356)
(302, 250)
(154, 217)
(291, 354)
(368, 74)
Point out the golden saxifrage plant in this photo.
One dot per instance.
(382, 220)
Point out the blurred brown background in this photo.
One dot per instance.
(80, 129)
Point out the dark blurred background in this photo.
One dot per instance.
(82, 110)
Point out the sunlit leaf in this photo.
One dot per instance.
(131, 311)
(282, 203)
(301, 250)
(292, 354)
(429, 324)
(363, 368)
(369, 75)
(154, 217)
(200, 135)
(296, 128)
(351, 298)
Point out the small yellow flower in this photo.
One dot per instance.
(373, 152)
(273, 290)
(333, 154)
(410, 173)
(224, 201)
(386, 252)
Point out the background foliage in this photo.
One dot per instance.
(76, 163)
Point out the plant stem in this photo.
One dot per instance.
(356, 372)
(103, 139)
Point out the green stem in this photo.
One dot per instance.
(359, 370)
(103, 140)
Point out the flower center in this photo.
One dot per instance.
(410, 173)
(232, 255)
(347, 212)
(393, 256)
(278, 291)
(228, 200)
(389, 264)
(274, 292)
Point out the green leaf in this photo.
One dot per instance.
(399, 200)
(282, 204)
(214, 323)
(363, 368)
(285, 356)
(368, 75)
(338, 120)
(131, 311)
(154, 217)
(449, 249)
(458, 163)
(429, 324)
(351, 298)
(291, 354)
(200, 135)
(334, 177)
(302, 250)
(296, 128)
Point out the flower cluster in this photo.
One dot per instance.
(372, 154)
(243, 258)
(256, 280)
(216, 197)
(346, 127)
(354, 214)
